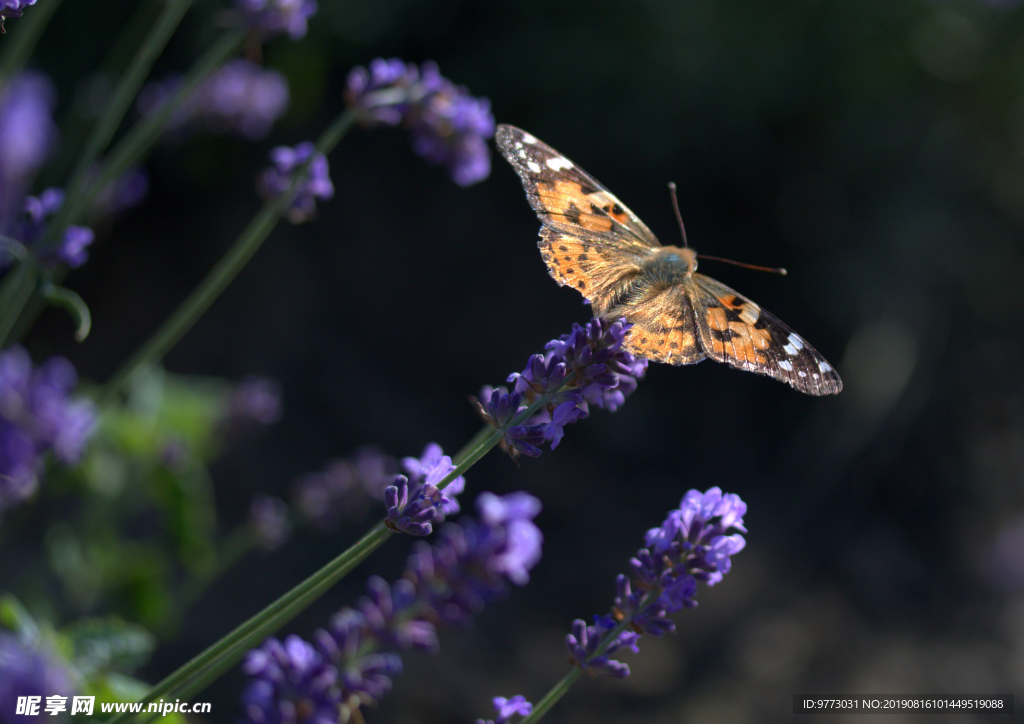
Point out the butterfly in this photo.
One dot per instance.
(592, 242)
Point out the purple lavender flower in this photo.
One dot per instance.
(587, 366)
(342, 491)
(272, 17)
(27, 133)
(448, 126)
(508, 708)
(315, 184)
(468, 567)
(12, 9)
(37, 415)
(38, 209)
(585, 641)
(29, 671)
(430, 469)
(413, 513)
(268, 518)
(292, 683)
(241, 97)
(691, 545)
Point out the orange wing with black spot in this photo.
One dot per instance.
(590, 240)
(738, 332)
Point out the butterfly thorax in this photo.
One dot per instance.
(674, 256)
(662, 271)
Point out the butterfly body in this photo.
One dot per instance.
(592, 242)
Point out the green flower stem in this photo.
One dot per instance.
(551, 698)
(124, 93)
(196, 674)
(23, 36)
(559, 690)
(15, 291)
(221, 275)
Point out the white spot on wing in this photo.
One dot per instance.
(824, 367)
(786, 365)
(558, 163)
(802, 373)
(790, 350)
(796, 341)
(533, 166)
(528, 139)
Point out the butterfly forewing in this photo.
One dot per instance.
(738, 332)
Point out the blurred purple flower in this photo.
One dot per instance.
(38, 209)
(691, 545)
(268, 519)
(341, 491)
(291, 683)
(315, 184)
(37, 415)
(254, 402)
(29, 671)
(448, 582)
(124, 193)
(27, 135)
(448, 126)
(241, 97)
(278, 16)
(1005, 559)
(508, 708)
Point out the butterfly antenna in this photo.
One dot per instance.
(771, 270)
(675, 205)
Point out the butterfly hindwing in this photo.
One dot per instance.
(664, 329)
(738, 332)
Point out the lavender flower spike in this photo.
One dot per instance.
(448, 126)
(292, 683)
(37, 414)
(277, 179)
(585, 367)
(691, 545)
(508, 708)
(272, 17)
(469, 566)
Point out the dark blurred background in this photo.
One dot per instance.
(874, 149)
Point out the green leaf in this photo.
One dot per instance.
(14, 617)
(108, 644)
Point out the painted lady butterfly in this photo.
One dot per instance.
(593, 243)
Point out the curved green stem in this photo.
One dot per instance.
(221, 275)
